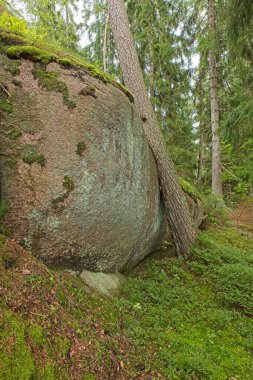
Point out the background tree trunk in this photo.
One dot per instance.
(105, 43)
(200, 160)
(215, 117)
(180, 221)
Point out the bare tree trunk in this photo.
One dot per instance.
(67, 22)
(199, 105)
(215, 117)
(200, 160)
(177, 212)
(105, 43)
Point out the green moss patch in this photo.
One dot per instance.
(31, 156)
(9, 65)
(81, 146)
(89, 90)
(190, 189)
(60, 199)
(15, 134)
(69, 186)
(4, 209)
(9, 38)
(50, 81)
(5, 104)
(30, 52)
(36, 333)
(47, 79)
(12, 336)
(68, 183)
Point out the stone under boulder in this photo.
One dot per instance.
(109, 285)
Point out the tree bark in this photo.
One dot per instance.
(199, 105)
(177, 211)
(201, 158)
(215, 117)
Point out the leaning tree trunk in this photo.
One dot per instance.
(178, 215)
(215, 117)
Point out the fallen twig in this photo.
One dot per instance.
(5, 89)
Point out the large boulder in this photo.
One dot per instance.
(76, 170)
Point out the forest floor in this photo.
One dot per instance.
(242, 216)
(180, 319)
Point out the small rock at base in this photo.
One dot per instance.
(106, 284)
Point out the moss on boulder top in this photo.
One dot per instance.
(16, 46)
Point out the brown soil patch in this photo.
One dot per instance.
(242, 217)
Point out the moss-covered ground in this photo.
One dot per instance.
(177, 319)
(51, 327)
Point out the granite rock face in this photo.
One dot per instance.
(76, 169)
